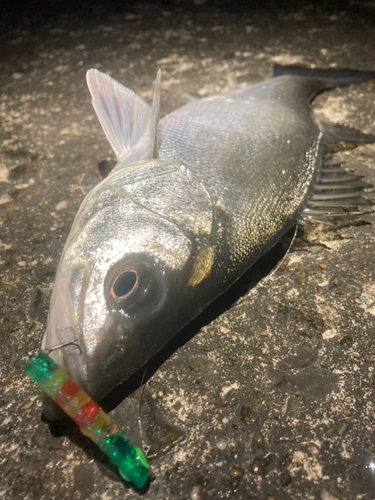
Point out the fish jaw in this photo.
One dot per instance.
(64, 323)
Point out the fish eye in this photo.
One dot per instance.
(124, 284)
(133, 283)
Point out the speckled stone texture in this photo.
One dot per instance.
(271, 397)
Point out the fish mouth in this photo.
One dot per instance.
(64, 347)
(62, 352)
(63, 335)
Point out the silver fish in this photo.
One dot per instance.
(194, 200)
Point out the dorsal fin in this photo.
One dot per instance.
(126, 119)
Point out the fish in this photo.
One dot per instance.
(195, 199)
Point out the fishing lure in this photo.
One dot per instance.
(89, 416)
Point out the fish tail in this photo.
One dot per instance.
(336, 77)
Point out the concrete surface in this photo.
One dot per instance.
(272, 398)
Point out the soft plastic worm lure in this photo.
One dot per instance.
(89, 416)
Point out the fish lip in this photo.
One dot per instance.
(74, 358)
(65, 322)
(71, 357)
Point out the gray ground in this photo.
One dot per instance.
(270, 399)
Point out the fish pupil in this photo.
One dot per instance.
(124, 283)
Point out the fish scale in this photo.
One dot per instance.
(232, 162)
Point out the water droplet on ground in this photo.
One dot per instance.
(195, 493)
(221, 445)
(258, 440)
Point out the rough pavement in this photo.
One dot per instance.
(272, 398)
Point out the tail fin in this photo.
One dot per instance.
(338, 77)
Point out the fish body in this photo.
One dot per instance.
(256, 150)
(195, 199)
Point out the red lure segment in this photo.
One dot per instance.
(90, 410)
(69, 388)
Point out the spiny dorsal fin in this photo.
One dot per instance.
(126, 119)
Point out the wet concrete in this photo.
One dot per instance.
(269, 398)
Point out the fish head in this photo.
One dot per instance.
(122, 287)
